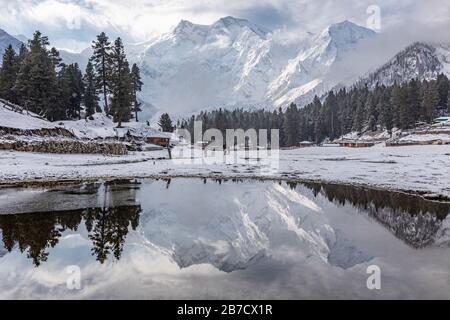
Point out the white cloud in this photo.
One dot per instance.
(136, 20)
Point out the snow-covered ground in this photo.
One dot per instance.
(409, 168)
(103, 127)
(24, 121)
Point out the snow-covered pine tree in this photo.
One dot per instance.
(121, 84)
(137, 87)
(101, 60)
(90, 96)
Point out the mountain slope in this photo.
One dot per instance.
(421, 61)
(308, 73)
(6, 39)
(233, 62)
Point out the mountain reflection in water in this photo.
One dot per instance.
(412, 219)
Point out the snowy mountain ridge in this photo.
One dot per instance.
(423, 61)
(6, 40)
(236, 63)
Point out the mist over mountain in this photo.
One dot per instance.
(236, 63)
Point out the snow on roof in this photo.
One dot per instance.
(21, 119)
(157, 134)
(442, 119)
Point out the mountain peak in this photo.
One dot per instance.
(229, 22)
(347, 33)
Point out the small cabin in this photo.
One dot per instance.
(159, 139)
(442, 120)
(306, 144)
(356, 144)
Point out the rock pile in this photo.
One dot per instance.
(65, 146)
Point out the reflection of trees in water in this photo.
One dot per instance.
(108, 228)
(412, 219)
(35, 233)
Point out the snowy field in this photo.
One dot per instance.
(409, 168)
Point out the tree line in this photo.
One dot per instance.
(37, 79)
(358, 109)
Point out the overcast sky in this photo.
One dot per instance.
(72, 24)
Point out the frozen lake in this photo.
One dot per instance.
(206, 239)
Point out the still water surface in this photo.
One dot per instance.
(201, 239)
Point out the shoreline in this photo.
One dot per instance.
(414, 170)
(49, 183)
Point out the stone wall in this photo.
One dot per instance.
(65, 146)
(44, 132)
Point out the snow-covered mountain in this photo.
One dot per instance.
(6, 39)
(235, 62)
(421, 61)
(309, 72)
(232, 62)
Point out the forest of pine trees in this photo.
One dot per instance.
(358, 109)
(37, 79)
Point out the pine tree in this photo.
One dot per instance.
(55, 57)
(359, 119)
(8, 75)
(137, 87)
(443, 86)
(290, 126)
(384, 105)
(430, 100)
(332, 122)
(165, 123)
(63, 93)
(36, 80)
(121, 85)
(90, 91)
(76, 91)
(101, 60)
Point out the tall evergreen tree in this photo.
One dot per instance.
(90, 91)
(76, 91)
(121, 85)
(165, 123)
(290, 126)
(137, 87)
(101, 60)
(430, 100)
(443, 86)
(8, 74)
(36, 80)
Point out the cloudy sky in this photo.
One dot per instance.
(72, 24)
